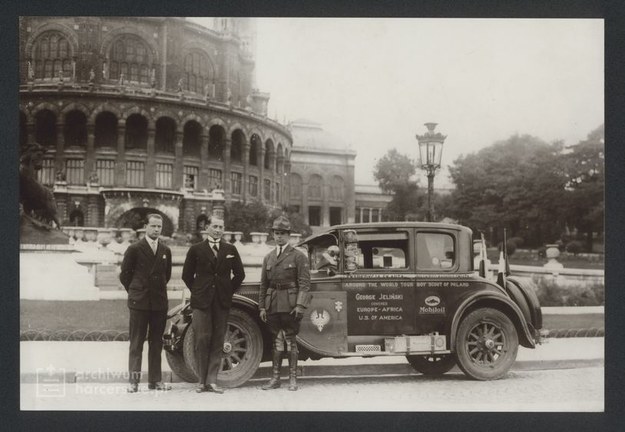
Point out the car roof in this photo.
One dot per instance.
(382, 225)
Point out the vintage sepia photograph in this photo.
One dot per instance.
(311, 214)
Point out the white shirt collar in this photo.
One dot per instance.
(210, 239)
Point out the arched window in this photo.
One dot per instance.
(192, 138)
(314, 187)
(52, 53)
(216, 136)
(165, 135)
(268, 154)
(45, 128)
(296, 186)
(236, 146)
(254, 143)
(105, 132)
(75, 133)
(279, 160)
(130, 55)
(136, 132)
(197, 72)
(337, 189)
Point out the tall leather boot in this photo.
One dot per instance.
(274, 382)
(293, 370)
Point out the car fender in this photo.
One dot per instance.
(493, 299)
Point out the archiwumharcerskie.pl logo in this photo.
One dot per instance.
(432, 306)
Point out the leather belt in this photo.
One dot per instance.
(282, 285)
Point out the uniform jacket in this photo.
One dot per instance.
(145, 274)
(211, 278)
(289, 270)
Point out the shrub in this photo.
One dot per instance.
(510, 246)
(574, 247)
(552, 292)
(518, 241)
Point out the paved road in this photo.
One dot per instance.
(546, 390)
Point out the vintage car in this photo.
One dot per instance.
(398, 289)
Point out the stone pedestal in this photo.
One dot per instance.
(48, 272)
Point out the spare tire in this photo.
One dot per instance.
(433, 364)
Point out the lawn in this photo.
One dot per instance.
(75, 315)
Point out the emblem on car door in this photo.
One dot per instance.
(432, 301)
(320, 318)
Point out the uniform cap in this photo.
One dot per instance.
(281, 223)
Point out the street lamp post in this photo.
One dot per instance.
(430, 152)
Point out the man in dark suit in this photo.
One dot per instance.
(145, 271)
(212, 271)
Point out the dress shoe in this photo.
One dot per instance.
(214, 388)
(133, 388)
(159, 386)
(201, 388)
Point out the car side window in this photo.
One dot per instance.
(380, 251)
(435, 251)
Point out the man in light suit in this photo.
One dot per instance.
(212, 271)
(145, 271)
(283, 297)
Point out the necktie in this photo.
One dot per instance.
(215, 247)
(153, 245)
(280, 251)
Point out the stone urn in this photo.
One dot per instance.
(552, 252)
(104, 236)
(228, 236)
(263, 238)
(238, 236)
(295, 238)
(256, 237)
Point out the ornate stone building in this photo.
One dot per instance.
(322, 176)
(150, 114)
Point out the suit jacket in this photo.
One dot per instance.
(289, 269)
(212, 278)
(145, 274)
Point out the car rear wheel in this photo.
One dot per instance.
(432, 364)
(242, 352)
(486, 344)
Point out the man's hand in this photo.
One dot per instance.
(298, 311)
(263, 315)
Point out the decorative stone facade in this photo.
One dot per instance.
(148, 114)
(321, 183)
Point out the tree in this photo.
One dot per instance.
(256, 217)
(247, 218)
(517, 184)
(395, 174)
(584, 168)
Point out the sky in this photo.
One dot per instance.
(374, 82)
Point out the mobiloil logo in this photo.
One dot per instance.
(432, 301)
(432, 306)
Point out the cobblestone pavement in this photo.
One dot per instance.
(549, 390)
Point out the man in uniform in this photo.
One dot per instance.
(213, 272)
(145, 271)
(283, 296)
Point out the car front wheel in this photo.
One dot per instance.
(242, 350)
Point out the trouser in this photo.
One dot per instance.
(209, 326)
(288, 324)
(151, 325)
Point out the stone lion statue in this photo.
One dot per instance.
(36, 201)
